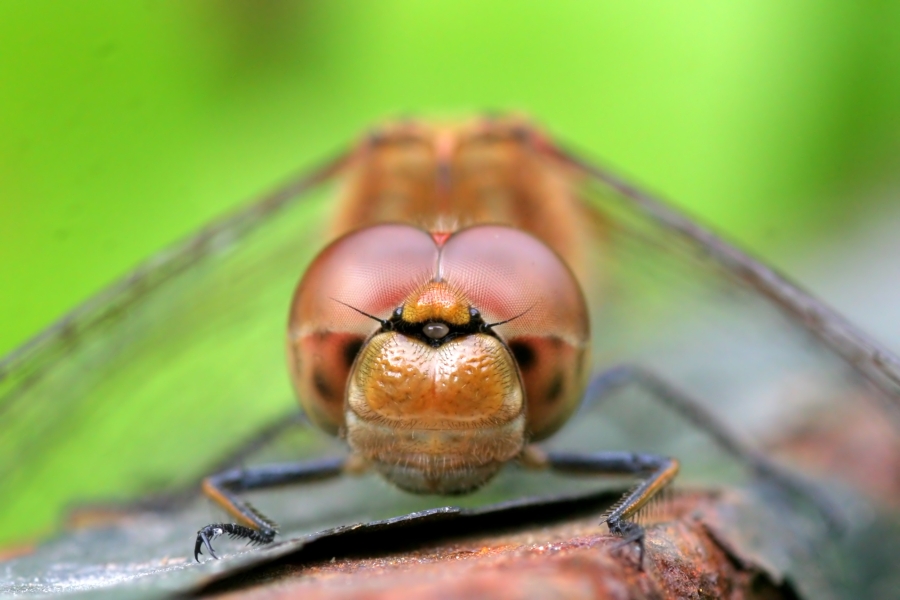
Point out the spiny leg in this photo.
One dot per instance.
(656, 472)
(251, 524)
(606, 383)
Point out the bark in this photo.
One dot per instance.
(573, 559)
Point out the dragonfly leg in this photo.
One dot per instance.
(655, 472)
(256, 528)
(608, 382)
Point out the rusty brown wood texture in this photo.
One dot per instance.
(573, 559)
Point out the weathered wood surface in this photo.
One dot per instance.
(573, 559)
(704, 547)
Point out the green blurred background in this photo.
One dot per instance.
(126, 125)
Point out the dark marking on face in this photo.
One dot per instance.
(351, 349)
(323, 386)
(554, 390)
(524, 354)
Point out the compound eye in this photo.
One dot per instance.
(435, 331)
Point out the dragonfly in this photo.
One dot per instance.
(479, 286)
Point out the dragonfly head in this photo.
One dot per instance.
(438, 360)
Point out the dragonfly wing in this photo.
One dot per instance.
(680, 234)
(764, 355)
(146, 385)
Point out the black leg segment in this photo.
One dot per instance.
(252, 525)
(655, 471)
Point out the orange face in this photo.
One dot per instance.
(445, 330)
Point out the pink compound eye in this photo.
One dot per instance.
(509, 274)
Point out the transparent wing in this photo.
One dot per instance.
(149, 383)
(649, 218)
(764, 354)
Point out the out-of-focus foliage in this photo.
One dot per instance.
(123, 126)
